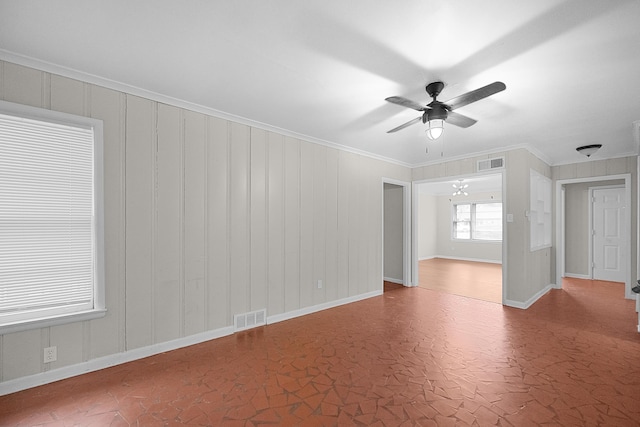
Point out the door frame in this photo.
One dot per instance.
(560, 225)
(406, 230)
(591, 225)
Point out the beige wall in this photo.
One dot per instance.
(205, 218)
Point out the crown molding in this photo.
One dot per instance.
(71, 73)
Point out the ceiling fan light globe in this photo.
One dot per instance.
(435, 128)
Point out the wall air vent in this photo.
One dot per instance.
(489, 164)
(249, 320)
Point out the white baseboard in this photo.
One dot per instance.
(528, 303)
(428, 257)
(23, 383)
(392, 280)
(46, 377)
(491, 261)
(319, 307)
(577, 276)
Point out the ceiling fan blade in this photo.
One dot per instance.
(409, 123)
(406, 103)
(475, 95)
(459, 120)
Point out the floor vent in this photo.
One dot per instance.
(488, 164)
(249, 320)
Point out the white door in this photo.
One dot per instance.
(609, 234)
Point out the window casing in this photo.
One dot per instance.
(51, 218)
(477, 221)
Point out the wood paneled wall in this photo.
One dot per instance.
(205, 218)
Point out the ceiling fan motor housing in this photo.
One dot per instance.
(434, 89)
(437, 111)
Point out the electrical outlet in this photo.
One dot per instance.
(319, 284)
(50, 354)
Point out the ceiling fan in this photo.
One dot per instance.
(436, 113)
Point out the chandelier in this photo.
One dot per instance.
(459, 188)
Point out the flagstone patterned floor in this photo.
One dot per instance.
(410, 357)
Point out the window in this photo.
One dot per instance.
(477, 221)
(51, 257)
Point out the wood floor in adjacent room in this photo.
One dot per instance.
(410, 357)
(479, 280)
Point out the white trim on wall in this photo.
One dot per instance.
(490, 261)
(505, 231)
(577, 276)
(319, 307)
(92, 365)
(528, 303)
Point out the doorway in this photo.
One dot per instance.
(576, 246)
(609, 232)
(396, 232)
(459, 237)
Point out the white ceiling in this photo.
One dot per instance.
(321, 69)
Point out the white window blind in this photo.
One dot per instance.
(47, 219)
(462, 221)
(477, 221)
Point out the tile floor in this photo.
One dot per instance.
(410, 357)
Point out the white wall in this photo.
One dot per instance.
(434, 229)
(427, 226)
(205, 218)
(393, 232)
(468, 250)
